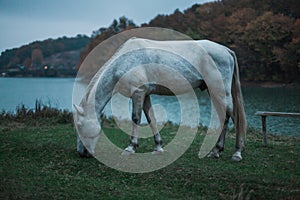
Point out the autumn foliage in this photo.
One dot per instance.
(264, 34)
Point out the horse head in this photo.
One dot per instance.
(88, 129)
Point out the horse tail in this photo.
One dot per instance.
(238, 103)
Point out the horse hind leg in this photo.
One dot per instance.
(152, 123)
(219, 147)
(237, 156)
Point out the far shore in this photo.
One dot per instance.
(269, 84)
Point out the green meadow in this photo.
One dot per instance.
(38, 160)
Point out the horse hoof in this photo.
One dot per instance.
(85, 154)
(128, 151)
(237, 157)
(158, 150)
(213, 155)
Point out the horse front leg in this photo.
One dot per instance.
(152, 123)
(137, 105)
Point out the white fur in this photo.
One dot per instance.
(128, 151)
(174, 61)
(237, 156)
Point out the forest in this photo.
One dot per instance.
(49, 57)
(264, 34)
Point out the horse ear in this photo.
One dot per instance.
(79, 109)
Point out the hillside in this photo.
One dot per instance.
(51, 57)
(264, 34)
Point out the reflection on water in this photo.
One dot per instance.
(58, 93)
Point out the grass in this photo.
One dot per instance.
(39, 161)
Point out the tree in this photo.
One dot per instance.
(27, 62)
(267, 38)
(102, 34)
(289, 55)
(37, 57)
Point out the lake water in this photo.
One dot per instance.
(57, 92)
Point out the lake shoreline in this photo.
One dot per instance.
(264, 84)
(269, 84)
(57, 93)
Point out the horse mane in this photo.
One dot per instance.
(91, 85)
(97, 76)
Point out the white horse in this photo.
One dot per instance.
(142, 67)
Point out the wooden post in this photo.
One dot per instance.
(264, 129)
(264, 115)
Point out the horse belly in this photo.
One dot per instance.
(173, 83)
(170, 91)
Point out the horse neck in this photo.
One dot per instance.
(98, 95)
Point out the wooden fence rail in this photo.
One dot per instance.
(264, 115)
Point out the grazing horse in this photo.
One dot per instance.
(142, 67)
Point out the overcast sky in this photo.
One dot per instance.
(25, 21)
